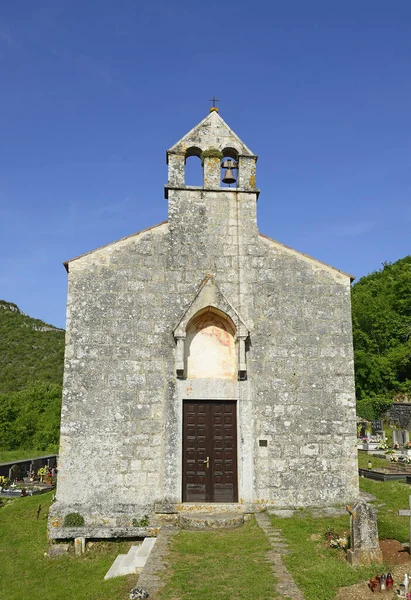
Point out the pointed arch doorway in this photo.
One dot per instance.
(210, 426)
(210, 451)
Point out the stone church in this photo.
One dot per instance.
(205, 362)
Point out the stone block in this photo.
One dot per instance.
(364, 556)
(58, 550)
(79, 545)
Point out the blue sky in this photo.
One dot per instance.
(93, 93)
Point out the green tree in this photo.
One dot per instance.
(381, 304)
(30, 418)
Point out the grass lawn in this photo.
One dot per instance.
(320, 570)
(211, 565)
(27, 573)
(9, 455)
(220, 565)
(377, 463)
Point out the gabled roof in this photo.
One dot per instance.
(214, 132)
(127, 237)
(306, 256)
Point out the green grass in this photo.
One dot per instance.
(220, 565)
(320, 570)
(377, 463)
(317, 569)
(9, 455)
(217, 565)
(27, 573)
(392, 496)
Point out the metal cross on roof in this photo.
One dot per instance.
(214, 100)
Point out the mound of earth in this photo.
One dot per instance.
(399, 561)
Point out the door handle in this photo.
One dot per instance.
(207, 462)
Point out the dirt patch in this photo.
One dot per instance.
(394, 553)
(397, 559)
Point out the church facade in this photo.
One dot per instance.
(205, 363)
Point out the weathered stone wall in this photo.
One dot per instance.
(121, 435)
(119, 359)
(121, 417)
(301, 364)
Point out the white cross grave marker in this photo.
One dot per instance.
(406, 513)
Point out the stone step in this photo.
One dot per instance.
(116, 568)
(203, 508)
(210, 521)
(133, 561)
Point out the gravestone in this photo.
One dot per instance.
(407, 513)
(400, 436)
(365, 548)
(363, 426)
(377, 428)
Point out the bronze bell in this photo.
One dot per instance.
(229, 175)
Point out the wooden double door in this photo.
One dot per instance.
(209, 451)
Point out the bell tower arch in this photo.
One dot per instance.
(212, 140)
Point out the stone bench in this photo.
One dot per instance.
(101, 532)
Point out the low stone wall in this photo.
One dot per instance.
(400, 414)
(67, 533)
(21, 467)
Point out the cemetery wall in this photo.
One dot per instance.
(400, 414)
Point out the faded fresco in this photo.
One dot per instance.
(211, 348)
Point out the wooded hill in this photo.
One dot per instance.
(30, 350)
(31, 375)
(31, 359)
(381, 305)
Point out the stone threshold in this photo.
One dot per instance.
(212, 508)
(203, 521)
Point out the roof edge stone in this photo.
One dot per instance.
(67, 262)
(320, 262)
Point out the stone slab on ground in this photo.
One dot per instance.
(58, 549)
(285, 513)
(100, 532)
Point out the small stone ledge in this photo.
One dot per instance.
(68, 533)
(210, 189)
(316, 513)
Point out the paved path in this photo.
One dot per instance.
(285, 583)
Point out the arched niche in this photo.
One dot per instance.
(229, 153)
(193, 151)
(193, 167)
(209, 298)
(210, 351)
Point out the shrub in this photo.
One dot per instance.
(73, 520)
(143, 522)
